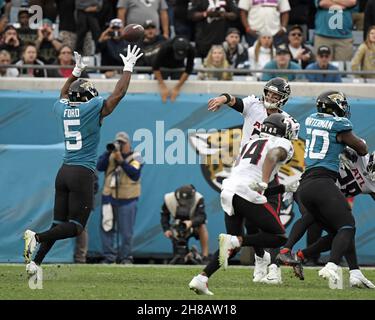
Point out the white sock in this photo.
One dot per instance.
(235, 242)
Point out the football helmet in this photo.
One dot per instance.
(280, 87)
(278, 125)
(81, 91)
(333, 102)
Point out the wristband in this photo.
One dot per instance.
(227, 96)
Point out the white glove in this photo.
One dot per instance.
(371, 167)
(80, 66)
(131, 58)
(291, 187)
(348, 157)
(258, 186)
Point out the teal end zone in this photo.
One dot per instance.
(31, 151)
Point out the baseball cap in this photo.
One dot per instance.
(282, 49)
(116, 23)
(186, 192)
(324, 50)
(294, 27)
(180, 47)
(122, 136)
(233, 30)
(149, 24)
(47, 21)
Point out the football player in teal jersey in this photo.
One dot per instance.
(80, 111)
(327, 133)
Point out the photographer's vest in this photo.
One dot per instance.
(172, 203)
(127, 188)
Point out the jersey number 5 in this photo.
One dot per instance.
(72, 134)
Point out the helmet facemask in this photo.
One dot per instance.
(274, 99)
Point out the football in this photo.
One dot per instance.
(133, 32)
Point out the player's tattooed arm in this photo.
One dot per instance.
(273, 157)
(350, 139)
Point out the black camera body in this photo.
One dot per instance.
(113, 146)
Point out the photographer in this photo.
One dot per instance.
(11, 43)
(111, 45)
(121, 191)
(186, 206)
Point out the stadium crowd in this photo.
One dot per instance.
(224, 34)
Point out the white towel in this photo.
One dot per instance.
(107, 219)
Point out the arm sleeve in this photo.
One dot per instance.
(199, 214)
(103, 162)
(164, 218)
(238, 106)
(132, 169)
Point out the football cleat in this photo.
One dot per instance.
(32, 268)
(357, 279)
(298, 268)
(225, 249)
(273, 276)
(260, 268)
(199, 284)
(285, 257)
(333, 274)
(30, 245)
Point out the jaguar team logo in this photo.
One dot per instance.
(221, 148)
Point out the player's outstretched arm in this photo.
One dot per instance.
(351, 140)
(214, 104)
(79, 67)
(122, 85)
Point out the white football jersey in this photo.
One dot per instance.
(254, 114)
(249, 169)
(353, 181)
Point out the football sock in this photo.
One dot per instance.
(351, 257)
(265, 240)
(298, 230)
(44, 248)
(322, 245)
(61, 231)
(341, 243)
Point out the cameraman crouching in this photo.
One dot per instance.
(121, 191)
(186, 206)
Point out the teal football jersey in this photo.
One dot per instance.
(322, 148)
(81, 129)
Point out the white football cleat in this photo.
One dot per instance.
(32, 268)
(273, 276)
(357, 279)
(199, 284)
(333, 273)
(225, 249)
(260, 267)
(30, 245)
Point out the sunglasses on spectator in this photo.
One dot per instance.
(296, 34)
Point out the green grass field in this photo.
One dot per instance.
(166, 282)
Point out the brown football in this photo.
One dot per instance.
(133, 32)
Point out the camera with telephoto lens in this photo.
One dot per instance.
(114, 146)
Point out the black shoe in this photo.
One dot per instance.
(286, 259)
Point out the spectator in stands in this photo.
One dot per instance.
(364, 58)
(111, 45)
(301, 53)
(215, 59)
(236, 53)
(172, 55)
(64, 58)
(107, 13)
(261, 53)
(47, 45)
(67, 24)
(87, 20)
(211, 22)
(29, 56)
(6, 59)
(185, 206)
(330, 32)
(323, 57)
(182, 25)
(282, 61)
(369, 19)
(299, 14)
(135, 11)
(3, 23)
(150, 44)
(359, 15)
(48, 8)
(264, 16)
(122, 188)
(11, 43)
(25, 33)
